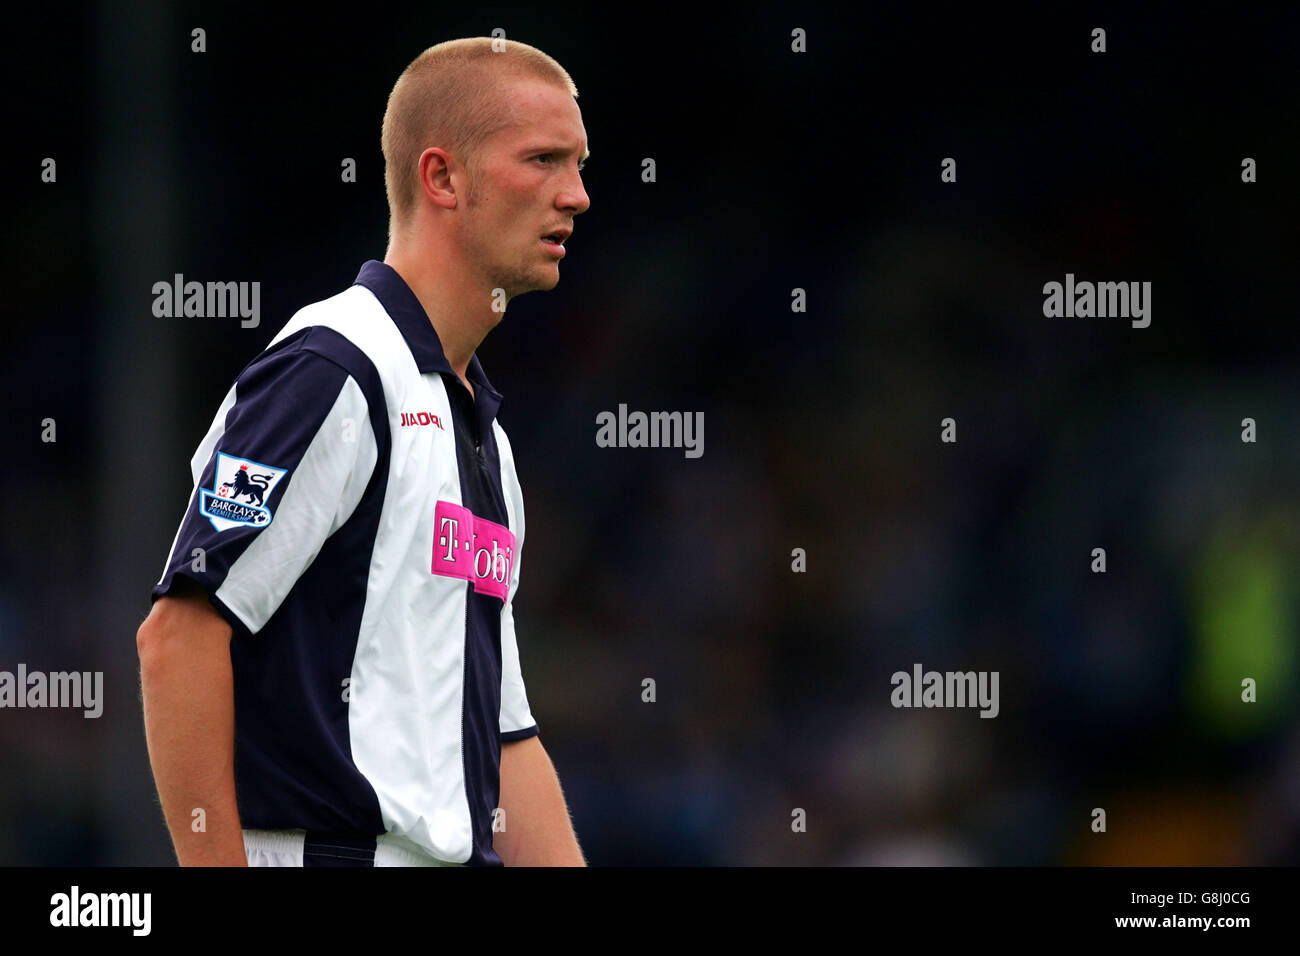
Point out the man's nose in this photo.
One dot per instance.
(574, 200)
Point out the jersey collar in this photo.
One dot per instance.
(413, 322)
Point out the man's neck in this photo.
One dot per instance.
(460, 313)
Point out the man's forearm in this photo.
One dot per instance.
(538, 831)
(187, 688)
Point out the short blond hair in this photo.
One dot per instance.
(450, 96)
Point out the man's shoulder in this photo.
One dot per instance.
(345, 314)
(349, 330)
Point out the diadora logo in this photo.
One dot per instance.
(420, 418)
(235, 479)
(473, 549)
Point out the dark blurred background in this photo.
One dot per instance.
(775, 170)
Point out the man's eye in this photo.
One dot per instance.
(546, 156)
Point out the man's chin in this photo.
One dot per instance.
(537, 282)
(543, 283)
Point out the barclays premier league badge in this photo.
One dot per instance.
(239, 492)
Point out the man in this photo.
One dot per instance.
(329, 671)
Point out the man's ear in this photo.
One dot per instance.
(436, 167)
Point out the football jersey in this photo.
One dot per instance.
(357, 518)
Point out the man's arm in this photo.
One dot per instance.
(537, 831)
(187, 686)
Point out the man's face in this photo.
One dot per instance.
(526, 185)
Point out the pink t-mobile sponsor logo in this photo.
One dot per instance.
(472, 548)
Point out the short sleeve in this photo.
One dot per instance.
(516, 717)
(285, 463)
(517, 721)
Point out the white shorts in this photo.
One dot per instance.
(291, 848)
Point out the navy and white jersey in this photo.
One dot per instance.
(357, 518)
